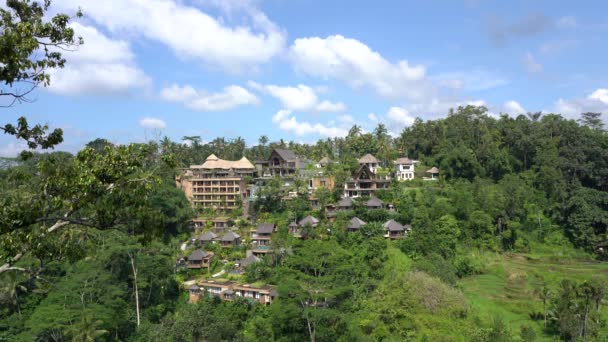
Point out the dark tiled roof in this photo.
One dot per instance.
(356, 223)
(285, 154)
(308, 220)
(393, 226)
(265, 228)
(198, 255)
(230, 236)
(374, 202)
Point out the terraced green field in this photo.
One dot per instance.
(508, 286)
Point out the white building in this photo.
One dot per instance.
(405, 168)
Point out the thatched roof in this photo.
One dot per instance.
(345, 202)
(374, 202)
(286, 154)
(393, 226)
(308, 220)
(368, 159)
(208, 236)
(404, 161)
(248, 260)
(433, 170)
(198, 255)
(324, 161)
(230, 236)
(213, 162)
(356, 223)
(265, 228)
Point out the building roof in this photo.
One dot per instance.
(193, 287)
(374, 202)
(432, 170)
(324, 161)
(356, 223)
(230, 236)
(345, 202)
(208, 236)
(251, 259)
(393, 226)
(265, 228)
(404, 161)
(407, 227)
(198, 255)
(308, 220)
(368, 159)
(285, 154)
(293, 224)
(213, 162)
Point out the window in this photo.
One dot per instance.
(323, 183)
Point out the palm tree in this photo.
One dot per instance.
(545, 295)
(87, 330)
(263, 140)
(11, 286)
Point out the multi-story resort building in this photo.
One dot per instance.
(217, 184)
(229, 290)
(283, 163)
(364, 183)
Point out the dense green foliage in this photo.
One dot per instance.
(520, 204)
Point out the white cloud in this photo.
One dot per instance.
(176, 93)
(188, 31)
(289, 123)
(599, 95)
(532, 66)
(372, 117)
(331, 107)
(100, 66)
(400, 116)
(231, 97)
(301, 98)
(597, 101)
(350, 61)
(152, 123)
(513, 107)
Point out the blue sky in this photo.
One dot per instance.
(303, 70)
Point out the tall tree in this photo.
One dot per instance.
(31, 44)
(592, 120)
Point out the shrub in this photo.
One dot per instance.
(436, 265)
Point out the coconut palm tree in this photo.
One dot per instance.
(87, 330)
